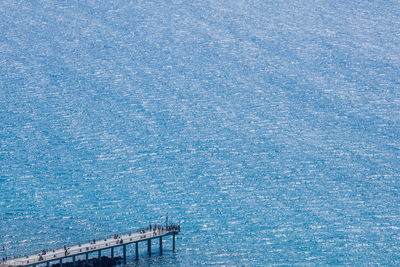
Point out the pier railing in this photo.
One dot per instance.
(96, 246)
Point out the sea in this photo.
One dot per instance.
(269, 130)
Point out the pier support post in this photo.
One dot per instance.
(48, 264)
(173, 242)
(60, 262)
(112, 253)
(160, 244)
(73, 260)
(137, 250)
(99, 256)
(149, 247)
(87, 258)
(124, 252)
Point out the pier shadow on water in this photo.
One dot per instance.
(102, 262)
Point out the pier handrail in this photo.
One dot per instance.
(57, 247)
(95, 245)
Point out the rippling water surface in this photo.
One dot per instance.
(268, 129)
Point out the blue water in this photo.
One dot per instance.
(268, 129)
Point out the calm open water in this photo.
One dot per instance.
(268, 129)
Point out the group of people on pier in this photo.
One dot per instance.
(160, 228)
(173, 227)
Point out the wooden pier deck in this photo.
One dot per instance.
(73, 252)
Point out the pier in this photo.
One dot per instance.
(83, 252)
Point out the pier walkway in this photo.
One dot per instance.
(46, 258)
